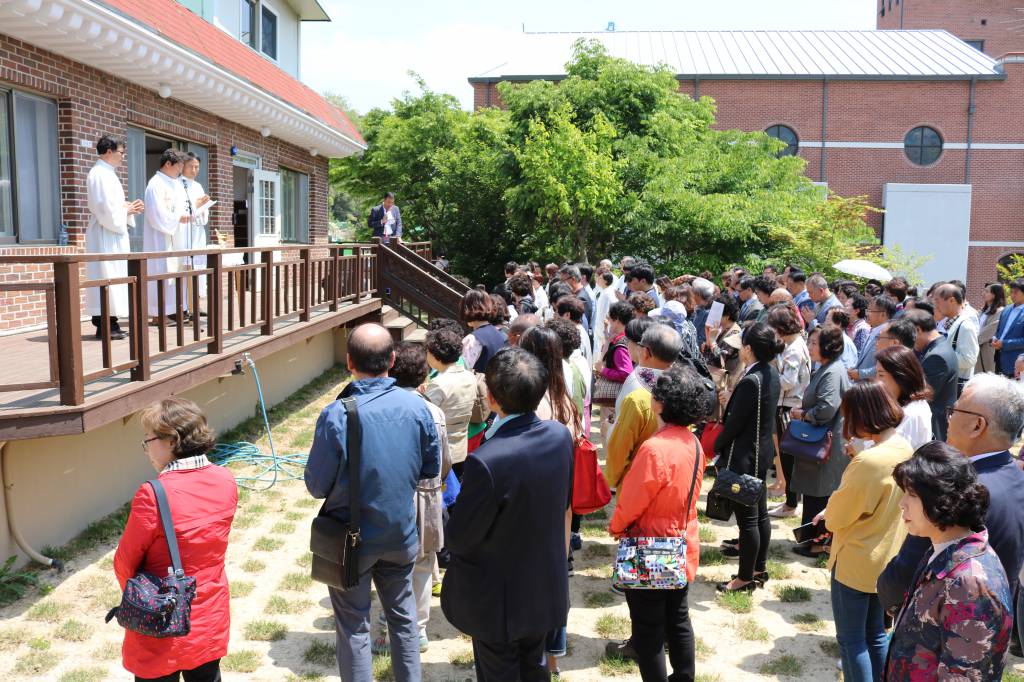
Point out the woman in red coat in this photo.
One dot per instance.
(202, 498)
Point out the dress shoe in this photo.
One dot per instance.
(748, 587)
(622, 649)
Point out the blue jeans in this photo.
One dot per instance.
(391, 573)
(860, 630)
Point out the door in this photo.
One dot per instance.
(266, 215)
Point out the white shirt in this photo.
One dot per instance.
(916, 427)
(965, 333)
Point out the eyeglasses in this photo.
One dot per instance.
(950, 410)
(147, 441)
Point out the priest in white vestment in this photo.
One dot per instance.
(165, 217)
(107, 232)
(198, 212)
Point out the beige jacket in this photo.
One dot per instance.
(454, 391)
(986, 353)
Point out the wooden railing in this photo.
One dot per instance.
(422, 249)
(278, 284)
(417, 288)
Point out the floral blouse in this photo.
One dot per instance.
(956, 623)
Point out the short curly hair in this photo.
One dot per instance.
(180, 422)
(830, 342)
(568, 334)
(476, 306)
(641, 302)
(683, 395)
(947, 485)
(446, 323)
(445, 345)
(521, 284)
(410, 368)
(621, 312)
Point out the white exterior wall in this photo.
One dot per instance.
(933, 221)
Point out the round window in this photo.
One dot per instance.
(923, 145)
(787, 135)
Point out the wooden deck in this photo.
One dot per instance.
(39, 412)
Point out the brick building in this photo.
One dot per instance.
(919, 121)
(216, 78)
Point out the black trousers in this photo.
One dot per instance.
(113, 322)
(792, 498)
(661, 617)
(755, 534)
(207, 672)
(812, 507)
(511, 661)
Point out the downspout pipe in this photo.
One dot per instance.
(822, 177)
(12, 524)
(970, 133)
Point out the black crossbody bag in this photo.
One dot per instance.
(335, 544)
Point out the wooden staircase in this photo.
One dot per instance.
(414, 290)
(402, 328)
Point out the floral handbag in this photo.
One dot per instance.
(655, 563)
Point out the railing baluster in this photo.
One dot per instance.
(51, 334)
(161, 318)
(335, 277)
(277, 291)
(232, 285)
(268, 293)
(139, 269)
(253, 307)
(105, 326)
(358, 289)
(306, 273)
(194, 288)
(295, 286)
(69, 333)
(215, 297)
(179, 311)
(241, 298)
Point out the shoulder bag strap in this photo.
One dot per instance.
(353, 447)
(956, 336)
(757, 434)
(699, 452)
(167, 521)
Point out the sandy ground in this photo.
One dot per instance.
(282, 629)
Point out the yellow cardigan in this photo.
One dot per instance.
(864, 515)
(635, 422)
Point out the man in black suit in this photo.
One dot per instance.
(506, 585)
(940, 367)
(385, 219)
(983, 424)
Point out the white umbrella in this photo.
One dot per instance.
(863, 268)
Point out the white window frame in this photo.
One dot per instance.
(255, 32)
(261, 179)
(277, 30)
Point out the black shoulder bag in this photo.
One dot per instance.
(742, 489)
(335, 544)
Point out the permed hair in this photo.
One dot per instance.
(445, 345)
(947, 485)
(180, 422)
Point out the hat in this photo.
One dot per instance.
(735, 341)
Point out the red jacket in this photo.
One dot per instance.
(203, 503)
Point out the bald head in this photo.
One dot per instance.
(371, 352)
(780, 296)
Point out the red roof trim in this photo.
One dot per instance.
(180, 25)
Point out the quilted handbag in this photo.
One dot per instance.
(742, 489)
(155, 606)
(655, 563)
(807, 441)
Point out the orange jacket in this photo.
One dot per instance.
(653, 493)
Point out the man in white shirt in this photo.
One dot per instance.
(193, 235)
(165, 216)
(961, 329)
(107, 232)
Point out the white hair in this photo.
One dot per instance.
(606, 263)
(704, 288)
(1004, 399)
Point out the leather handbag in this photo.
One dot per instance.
(807, 441)
(154, 606)
(335, 544)
(655, 563)
(742, 489)
(717, 507)
(605, 391)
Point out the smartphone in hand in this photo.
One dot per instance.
(810, 531)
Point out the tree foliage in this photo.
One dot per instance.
(613, 160)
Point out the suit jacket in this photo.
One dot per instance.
(750, 310)
(506, 534)
(825, 306)
(375, 224)
(1004, 520)
(1013, 340)
(866, 357)
(986, 353)
(822, 398)
(739, 435)
(940, 371)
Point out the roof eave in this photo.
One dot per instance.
(768, 76)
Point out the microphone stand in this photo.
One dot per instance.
(188, 259)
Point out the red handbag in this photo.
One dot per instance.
(590, 491)
(707, 438)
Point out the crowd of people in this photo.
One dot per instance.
(882, 416)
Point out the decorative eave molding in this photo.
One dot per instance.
(86, 32)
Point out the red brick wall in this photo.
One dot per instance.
(92, 103)
(994, 21)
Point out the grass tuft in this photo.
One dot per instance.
(808, 622)
(306, 560)
(611, 626)
(295, 516)
(283, 528)
(591, 530)
(306, 502)
(777, 570)
(783, 666)
(253, 566)
(278, 605)
(599, 515)
(712, 556)
(595, 550)
(792, 593)
(461, 659)
(84, 675)
(597, 600)
(296, 582)
(265, 631)
(319, 652)
(39, 644)
(107, 651)
(381, 668)
(266, 544)
(702, 649)
(822, 560)
(830, 647)
(707, 677)
(240, 588)
(751, 631)
(244, 661)
(12, 638)
(36, 663)
(47, 611)
(73, 631)
(243, 521)
(737, 602)
(707, 535)
(613, 666)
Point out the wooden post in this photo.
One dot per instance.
(335, 278)
(139, 269)
(359, 273)
(379, 250)
(307, 273)
(69, 333)
(268, 292)
(215, 303)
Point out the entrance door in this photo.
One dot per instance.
(266, 208)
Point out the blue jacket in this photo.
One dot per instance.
(826, 305)
(507, 578)
(866, 357)
(400, 446)
(1013, 340)
(1004, 520)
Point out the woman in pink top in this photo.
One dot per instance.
(652, 502)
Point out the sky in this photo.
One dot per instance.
(367, 50)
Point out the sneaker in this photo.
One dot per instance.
(424, 642)
(782, 512)
(576, 542)
(622, 649)
(436, 590)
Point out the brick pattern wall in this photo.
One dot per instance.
(92, 103)
(994, 21)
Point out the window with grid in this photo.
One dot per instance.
(268, 211)
(294, 206)
(923, 145)
(787, 135)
